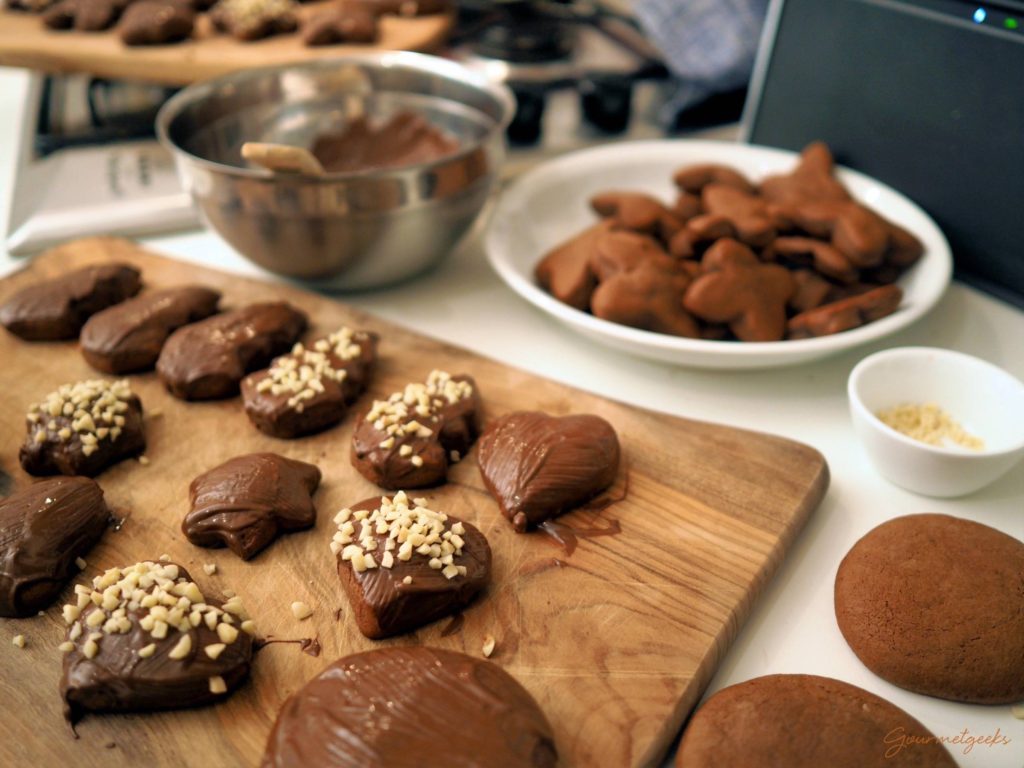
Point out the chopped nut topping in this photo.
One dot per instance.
(416, 461)
(488, 648)
(210, 568)
(19, 640)
(144, 461)
(414, 529)
(214, 650)
(301, 373)
(66, 647)
(156, 596)
(301, 611)
(407, 580)
(401, 414)
(90, 409)
(80, 562)
(217, 685)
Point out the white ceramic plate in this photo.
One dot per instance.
(548, 205)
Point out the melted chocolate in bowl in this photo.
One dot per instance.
(405, 139)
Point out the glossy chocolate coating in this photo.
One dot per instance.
(66, 457)
(129, 336)
(454, 428)
(208, 359)
(405, 139)
(385, 606)
(273, 415)
(244, 503)
(410, 707)
(43, 529)
(56, 309)
(157, 22)
(118, 680)
(538, 466)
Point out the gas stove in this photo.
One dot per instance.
(581, 71)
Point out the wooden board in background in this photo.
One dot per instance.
(26, 42)
(616, 646)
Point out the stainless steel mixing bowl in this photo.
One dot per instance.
(347, 231)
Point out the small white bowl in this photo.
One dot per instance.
(984, 399)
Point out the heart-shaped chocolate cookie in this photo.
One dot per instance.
(144, 637)
(538, 466)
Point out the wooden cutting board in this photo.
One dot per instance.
(616, 643)
(26, 42)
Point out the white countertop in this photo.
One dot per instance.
(792, 627)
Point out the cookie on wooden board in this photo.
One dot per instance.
(934, 604)
(805, 721)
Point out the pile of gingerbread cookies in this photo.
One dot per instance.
(792, 257)
(163, 22)
(146, 636)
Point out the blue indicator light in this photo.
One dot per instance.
(980, 15)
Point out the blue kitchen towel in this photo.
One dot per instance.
(708, 45)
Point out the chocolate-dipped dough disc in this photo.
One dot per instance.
(83, 428)
(539, 466)
(56, 309)
(404, 565)
(410, 439)
(805, 721)
(244, 503)
(129, 336)
(145, 637)
(208, 359)
(935, 604)
(411, 707)
(44, 529)
(311, 388)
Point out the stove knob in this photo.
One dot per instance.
(607, 101)
(525, 127)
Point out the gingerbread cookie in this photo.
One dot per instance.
(805, 721)
(83, 428)
(126, 651)
(857, 232)
(410, 439)
(128, 337)
(637, 212)
(649, 297)
(566, 271)
(311, 389)
(207, 360)
(404, 565)
(539, 466)
(618, 251)
(812, 179)
(254, 19)
(244, 503)
(934, 604)
(344, 24)
(842, 315)
(380, 709)
(754, 221)
(806, 252)
(693, 178)
(45, 530)
(56, 309)
(737, 289)
(157, 22)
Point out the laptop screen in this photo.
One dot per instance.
(925, 95)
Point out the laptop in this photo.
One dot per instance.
(924, 95)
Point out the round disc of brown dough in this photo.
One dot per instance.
(935, 604)
(406, 707)
(805, 721)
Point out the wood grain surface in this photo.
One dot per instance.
(616, 641)
(26, 42)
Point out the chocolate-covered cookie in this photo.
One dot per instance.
(311, 388)
(128, 337)
(207, 360)
(404, 565)
(145, 637)
(44, 529)
(410, 439)
(57, 308)
(157, 22)
(805, 721)
(408, 707)
(254, 19)
(244, 503)
(84, 15)
(83, 428)
(935, 604)
(538, 466)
